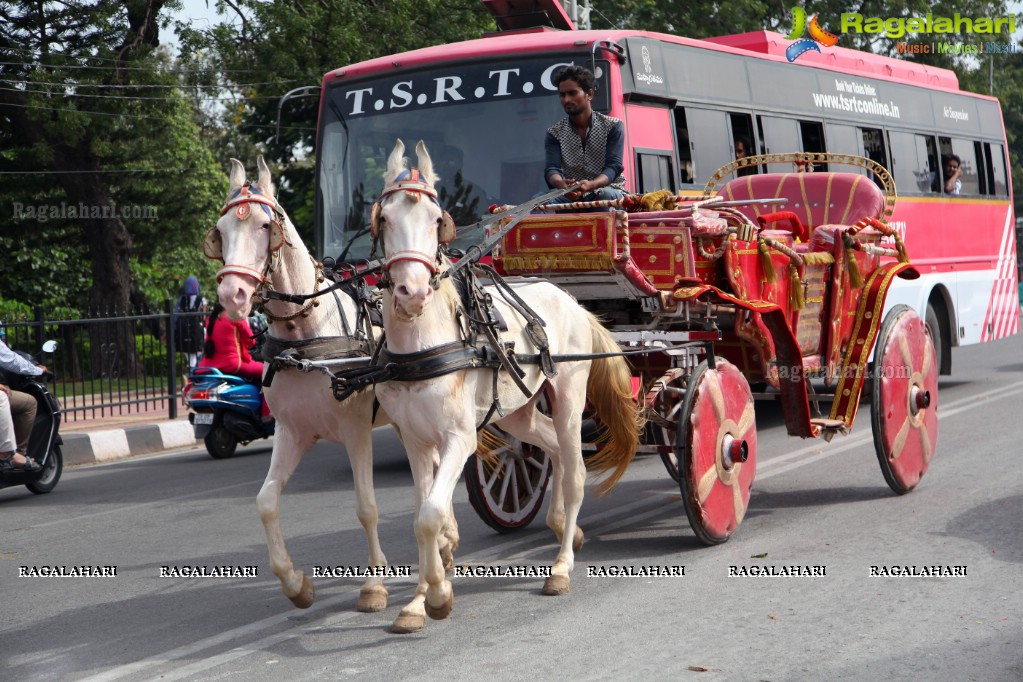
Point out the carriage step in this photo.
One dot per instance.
(830, 427)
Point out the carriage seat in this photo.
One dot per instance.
(816, 198)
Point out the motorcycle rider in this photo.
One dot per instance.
(227, 349)
(21, 406)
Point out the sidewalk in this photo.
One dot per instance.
(117, 436)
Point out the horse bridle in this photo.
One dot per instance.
(213, 247)
(411, 183)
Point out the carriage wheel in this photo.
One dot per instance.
(904, 399)
(662, 426)
(507, 491)
(717, 450)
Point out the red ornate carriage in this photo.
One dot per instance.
(774, 280)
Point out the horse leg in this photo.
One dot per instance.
(568, 422)
(359, 443)
(449, 539)
(413, 615)
(535, 428)
(288, 451)
(434, 516)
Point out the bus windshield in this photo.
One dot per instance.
(483, 125)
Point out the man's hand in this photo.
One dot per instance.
(5, 389)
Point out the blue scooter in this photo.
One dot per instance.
(225, 410)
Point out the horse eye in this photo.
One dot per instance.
(266, 225)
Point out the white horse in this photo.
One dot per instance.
(438, 417)
(261, 250)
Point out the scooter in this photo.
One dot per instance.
(225, 410)
(45, 441)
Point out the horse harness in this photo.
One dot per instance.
(356, 342)
(479, 348)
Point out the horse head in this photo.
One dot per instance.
(247, 238)
(410, 225)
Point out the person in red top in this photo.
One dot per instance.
(227, 349)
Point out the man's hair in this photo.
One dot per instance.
(745, 142)
(579, 74)
(951, 157)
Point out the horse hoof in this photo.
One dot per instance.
(306, 596)
(578, 540)
(440, 612)
(372, 599)
(408, 623)
(556, 585)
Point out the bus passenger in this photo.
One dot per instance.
(952, 173)
(742, 149)
(586, 146)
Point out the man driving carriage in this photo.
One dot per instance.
(586, 146)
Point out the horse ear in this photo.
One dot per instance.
(395, 163)
(447, 231)
(265, 182)
(425, 163)
(237, 174)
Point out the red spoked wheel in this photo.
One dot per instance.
(904, 399)
(665, 400)
(506, 488)
(717, 450)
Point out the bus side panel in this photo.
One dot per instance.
(647, 127)
(946, 242)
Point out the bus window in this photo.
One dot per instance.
(780, 136)
(913, 162)
(995, 161)
(743, 140)
(956, 146)
(685, 152)
(707, 131)
(654, 170)
(812, 135)
(873, 148)
(843, 139)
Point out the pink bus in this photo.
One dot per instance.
(482, 107)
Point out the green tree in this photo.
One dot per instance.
(101, 145)
(281, 45)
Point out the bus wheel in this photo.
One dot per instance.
(933, 324)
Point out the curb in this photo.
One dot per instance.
(113, 444)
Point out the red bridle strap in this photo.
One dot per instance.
(248, 198)
(417, 256)
(242, 270)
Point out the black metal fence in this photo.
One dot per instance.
(109, 365)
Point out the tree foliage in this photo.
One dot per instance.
(100, 154)
(281, 45)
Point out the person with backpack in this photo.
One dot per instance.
(188, 329)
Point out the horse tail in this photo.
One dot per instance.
(609, 392)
